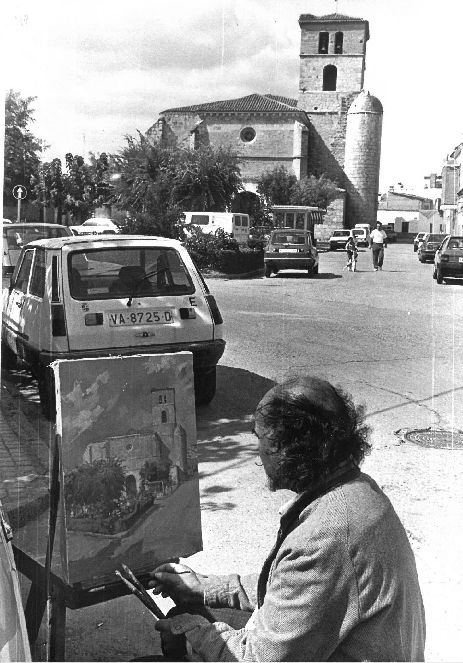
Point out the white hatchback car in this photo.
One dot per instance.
(96, 226)
(96, 296)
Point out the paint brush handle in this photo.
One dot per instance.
(142, 595)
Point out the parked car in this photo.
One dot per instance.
(96, 226)
(390, 234)
(339, 238)
(97, 296)
(448, 261)
(258, 237)
(417, 240)
(17, 235)
(428, 247)
(290, 249)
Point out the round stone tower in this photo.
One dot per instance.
(362, 159)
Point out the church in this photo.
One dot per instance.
(332, 127)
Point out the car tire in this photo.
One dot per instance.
(415, 249)
(205, 385)
(46, 385)
(439, 277)
(268, 271)
(315, 270)
(9, 360)
(434, 273)
(421, 259)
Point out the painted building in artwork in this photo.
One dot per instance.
(333, 126)
(165, 447)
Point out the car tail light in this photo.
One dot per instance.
(187, 314)
(216, 316)
(58, 323)
(444, 258)
(93, 319)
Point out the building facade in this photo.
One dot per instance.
(333, 127)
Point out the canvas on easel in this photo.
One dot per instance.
(129, 488)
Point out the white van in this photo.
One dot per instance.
(104, 295)
(362, 233)
(236, 225)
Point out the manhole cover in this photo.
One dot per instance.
(433, 438)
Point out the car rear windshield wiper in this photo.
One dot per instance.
(141, 279)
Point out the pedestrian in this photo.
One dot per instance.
(378, 242)
(352, 253)
(340, 582)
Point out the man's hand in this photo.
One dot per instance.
(179, 582)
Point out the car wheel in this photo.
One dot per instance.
(439, 277)
(46, 384)
(421, 259)
(415, 249)
(8, 357)
(268, 271)
(205, 386)
(434, 274)
(315, 269)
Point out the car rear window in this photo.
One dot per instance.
(340, 233)
(435, 238)
(455, 243)
(110, 273)
(288, 238)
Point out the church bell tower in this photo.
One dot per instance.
(332, 68)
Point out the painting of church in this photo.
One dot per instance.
(332, 126)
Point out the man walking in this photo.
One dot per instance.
(378, 242)
(340, 582)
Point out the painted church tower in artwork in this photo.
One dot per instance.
(343, 144)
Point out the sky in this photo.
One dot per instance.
(104, 69)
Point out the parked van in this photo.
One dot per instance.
(236, 225)
(104, 295)
(362, 235)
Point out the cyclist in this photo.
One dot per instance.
(352, 253)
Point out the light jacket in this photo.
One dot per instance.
(342, 586)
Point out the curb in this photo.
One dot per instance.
(231, 277)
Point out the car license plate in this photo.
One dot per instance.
(162, 316)
(290, 250)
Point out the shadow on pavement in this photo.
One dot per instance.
(224, 425)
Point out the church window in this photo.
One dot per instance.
(330, 74)
(338, 42)
(323, 39)
(247, 134)
(163, 417)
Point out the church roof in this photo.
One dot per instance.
(252, 102)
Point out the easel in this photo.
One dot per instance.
(51, 593)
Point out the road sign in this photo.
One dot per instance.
(19, 192)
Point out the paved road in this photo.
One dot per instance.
(394, 340)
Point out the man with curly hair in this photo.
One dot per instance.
(340, 582)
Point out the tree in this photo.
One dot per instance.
(207, 179)
(274, 186)
(144, 187)
(313, 191)
(21, 159)
(156, 184)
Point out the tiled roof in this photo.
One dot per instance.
(252, 102)
(327, 18)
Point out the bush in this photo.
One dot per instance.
(221, 252)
